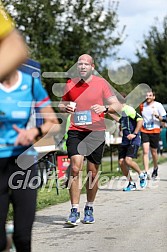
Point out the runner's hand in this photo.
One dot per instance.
(69, 109)
(25, 137)
(98, 109)
(131, 136)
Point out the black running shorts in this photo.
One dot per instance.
(152, 138)
(128, 151)
(89, 144)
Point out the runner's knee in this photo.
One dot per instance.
(128, 160)
(146, 152)
(121, 161)
(92, 174)
(74, 171)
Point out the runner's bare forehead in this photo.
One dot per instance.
(86, 58)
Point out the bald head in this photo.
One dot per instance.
(85, 67)
(87, 58)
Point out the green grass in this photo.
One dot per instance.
(47, 196)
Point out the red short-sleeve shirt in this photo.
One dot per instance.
(97, 91)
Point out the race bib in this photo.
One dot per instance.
(83, 117)
(149, 125)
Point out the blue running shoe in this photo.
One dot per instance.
(74, 217)
(143, 180)
(131, 187)
(88, 218)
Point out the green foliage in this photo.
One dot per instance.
(151, 67)
(36, 19)
(88, 28)
(48, 197)
(58, 32)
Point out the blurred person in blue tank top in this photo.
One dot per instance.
(15, 139)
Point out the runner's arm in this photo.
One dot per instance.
(13, 51)
(138, 125)
(115, 117)
(50, 127)
(114, 105)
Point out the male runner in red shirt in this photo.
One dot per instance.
(86, 136)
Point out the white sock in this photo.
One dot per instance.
(75, 206)
(89, 204)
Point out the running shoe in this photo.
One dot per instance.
(131, 187)
(88, 218)
(148, 175)
(74, 217)
(143, 180)
(155, 173)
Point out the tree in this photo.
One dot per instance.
(151, 67)
(37, 20)
(57, 32)
(87, 27)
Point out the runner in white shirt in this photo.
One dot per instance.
(153, 114)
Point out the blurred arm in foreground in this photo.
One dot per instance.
(13, 49)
